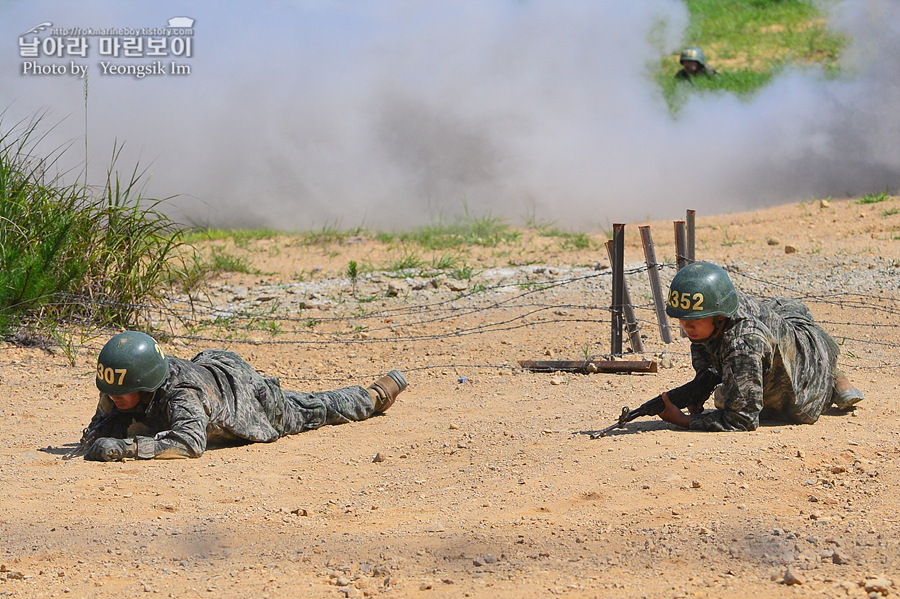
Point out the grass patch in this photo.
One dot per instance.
(327, 235)
(748, 42)
(223, 261)
(570, 241)
(239, 236)
(873, 198)
(72, 254)
(486, 231)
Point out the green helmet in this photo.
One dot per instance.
(129, 362)
(700, 290)
(693, 53)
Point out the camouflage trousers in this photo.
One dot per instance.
(309, 411)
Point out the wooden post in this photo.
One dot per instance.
(689, 220)
(631, 323)
(680, 245)
(653, 273)
(618, 289)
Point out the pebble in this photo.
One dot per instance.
(378, 457)
(789, 249)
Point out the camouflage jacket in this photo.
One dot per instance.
(217, 395)
(773, 358)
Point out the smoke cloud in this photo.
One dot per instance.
(393, 113)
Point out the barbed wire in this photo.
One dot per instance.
(497, 309)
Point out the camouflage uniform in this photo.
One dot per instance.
(704, 71)
(218, 396)
(774, 359)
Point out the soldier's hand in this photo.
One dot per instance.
(672, 414)
(107, 449)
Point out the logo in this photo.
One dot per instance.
(120, 49)
(181, 22)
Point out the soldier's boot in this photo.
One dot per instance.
(385, 390)
(845, 395)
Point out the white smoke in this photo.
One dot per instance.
(390, 113)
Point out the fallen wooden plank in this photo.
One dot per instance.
(588, 366)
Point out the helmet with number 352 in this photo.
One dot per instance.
(701, 290)
(129, 362)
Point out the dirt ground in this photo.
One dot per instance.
(485, 484)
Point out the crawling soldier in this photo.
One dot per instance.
(772, 357)
(184, 404)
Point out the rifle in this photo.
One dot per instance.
(703, 384)
(88, 436)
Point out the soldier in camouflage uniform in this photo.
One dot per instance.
(693, 64)
(772, 356)
(182, 405)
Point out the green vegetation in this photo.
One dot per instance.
(75, 254)
(748, 42)
(223, 261)
(570, 241)
(873, 198)
(485, 231)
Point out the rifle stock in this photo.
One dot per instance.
(699, 388)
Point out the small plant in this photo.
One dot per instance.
(586, 351)
(871, 198)
(222, 261)
(728, 240)
(353, 274)
(408, 261)
(890, 212)
(463, 273)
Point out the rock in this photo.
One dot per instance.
(789, 249)
(824, 203)
(695, 484)
(456, 285)
(840, 557)
(878, 585)
(490, 559)
(436, 527)
(394, 289)
(382, 570)
(792, 577)
(773, 241)
(378, 457)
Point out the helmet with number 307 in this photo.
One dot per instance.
(701, 290)
(129, 362)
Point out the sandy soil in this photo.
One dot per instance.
(486, 486)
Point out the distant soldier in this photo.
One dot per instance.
(181, 405)
(774, 360)
(693, 64)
